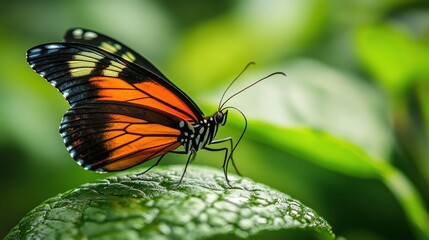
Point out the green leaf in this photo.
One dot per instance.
(339, 155)
(321, 148)
(148, 206)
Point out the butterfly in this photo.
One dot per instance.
(123, 110)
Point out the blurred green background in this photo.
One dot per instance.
(346, 132)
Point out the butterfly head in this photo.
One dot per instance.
(220, 117)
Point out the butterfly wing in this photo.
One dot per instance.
(121, 114)
(111, 136)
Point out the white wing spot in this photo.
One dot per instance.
(73, 153)
(53, 46)
(66, 93)
(89, 35)
(34, 53)
(36, 50)
(77, 33)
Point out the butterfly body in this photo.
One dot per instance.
(196, 136)
(123, 110)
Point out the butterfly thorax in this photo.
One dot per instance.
(195, 136)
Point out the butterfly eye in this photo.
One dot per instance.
(220, 117)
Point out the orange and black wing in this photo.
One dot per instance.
(122, 113)
(98, 40)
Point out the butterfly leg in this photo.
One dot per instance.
(224, 168)
(226, 161)
(190, 158)
(154, 165)
(159, 160)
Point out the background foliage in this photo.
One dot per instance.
(346, 132)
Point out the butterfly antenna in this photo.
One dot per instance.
(251, 85)
(235, 79)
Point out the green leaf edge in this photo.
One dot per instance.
(130, 206)
(359, 164)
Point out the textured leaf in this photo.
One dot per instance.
(339, 155)
(147, 206)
